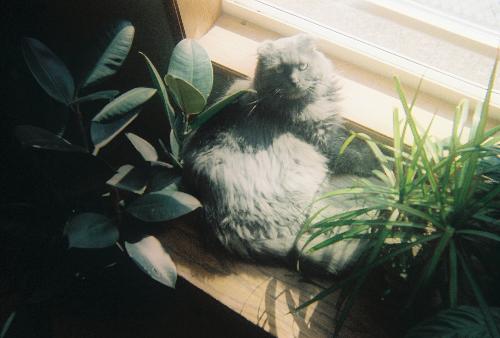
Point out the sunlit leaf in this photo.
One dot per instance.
(130, 179)
(124, 104)
(103, 133)
(163, 205)
(191, 63)
(147, 151)
(108, 51)
(189, 99)
(152, 258)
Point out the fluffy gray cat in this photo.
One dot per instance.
(258, 166)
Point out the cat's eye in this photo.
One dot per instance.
(303, 66)
(279, 69)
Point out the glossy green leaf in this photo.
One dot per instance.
(165, 180)
(103, 133)
(191, 63)
(147, 151)
(108, 52)
(49, 71)
(152, 258)
(130, 179)
(6, 325)
(162, 91)
(189, 99)
(163, 205)
(174, 145)
(464, 321)
(31, 136)
(171, 157)
(211, 111)
(90, 230)
(101, 95)
(123, 104)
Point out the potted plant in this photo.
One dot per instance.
(96, 201)
(432, 225)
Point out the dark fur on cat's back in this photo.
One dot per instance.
(257, 167)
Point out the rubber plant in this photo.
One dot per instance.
(431, 222)
(74, 152)
(184, 92)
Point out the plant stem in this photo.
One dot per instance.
(83, 134)
(115, 199)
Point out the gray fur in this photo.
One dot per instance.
(258, 166)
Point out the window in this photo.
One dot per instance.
(370, 41)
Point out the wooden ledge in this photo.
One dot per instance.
(264, 295)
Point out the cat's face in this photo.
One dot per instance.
(291, 69)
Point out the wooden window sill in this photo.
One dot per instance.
(264, 295)
(368, 99)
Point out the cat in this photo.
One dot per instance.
(258, 166)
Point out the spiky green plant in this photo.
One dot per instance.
(436, 206)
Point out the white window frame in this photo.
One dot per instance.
(369, 56)
(452, 24)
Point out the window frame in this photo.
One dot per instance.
(443, 94)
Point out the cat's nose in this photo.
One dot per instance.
(294, 78)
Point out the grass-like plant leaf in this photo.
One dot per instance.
(464, 321)
(484, 234)
(483, 305)
(441, 192)
(49, 71)
(362, 271)
(431, 266)
(453, 280)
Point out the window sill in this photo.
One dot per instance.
(368, 98)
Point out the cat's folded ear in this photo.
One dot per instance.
(265, 48)
(306, 41)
